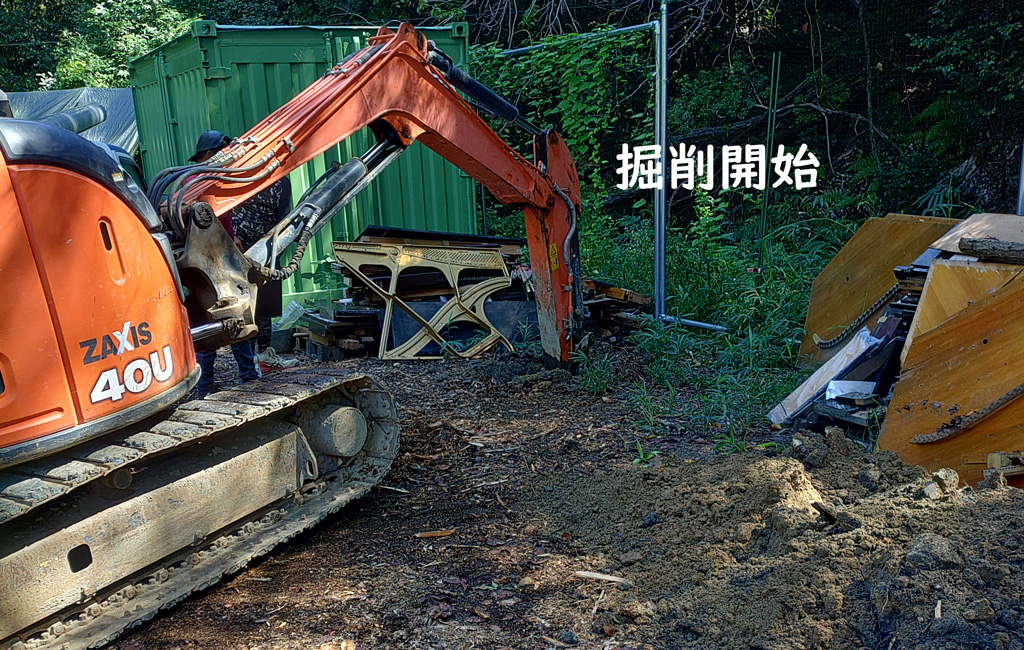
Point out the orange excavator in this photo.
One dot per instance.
(117, 496)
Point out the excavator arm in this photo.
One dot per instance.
(404, 90)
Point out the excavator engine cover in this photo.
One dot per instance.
(94, 335)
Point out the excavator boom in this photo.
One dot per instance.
(405, 90)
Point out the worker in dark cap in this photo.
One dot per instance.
(246, 224)
(209, 143)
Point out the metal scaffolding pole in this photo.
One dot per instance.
(660, 139)
(621, 30)
(1020, 185)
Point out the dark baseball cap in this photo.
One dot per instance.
(210, 141)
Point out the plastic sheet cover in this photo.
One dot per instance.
(118, 129)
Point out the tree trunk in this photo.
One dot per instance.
(867, 85)
(989, 249)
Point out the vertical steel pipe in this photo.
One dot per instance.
(661, 139)
(1020, 185)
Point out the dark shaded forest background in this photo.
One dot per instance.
(910, 106)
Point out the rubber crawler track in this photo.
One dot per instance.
(99, 620)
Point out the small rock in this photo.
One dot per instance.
(744, 531)
(568, 638)
(527, 581)
(651, 519)
(848, 521)
(931, 551)
(931, 490)
(632, 557)
(947, 479)
(635, 610)
(943, 626)
(836, 439)
(871, 478)
(980, 611)
(972, 578)
(994, 481)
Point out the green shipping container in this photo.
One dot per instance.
(229, 78)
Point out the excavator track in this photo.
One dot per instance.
(223, 480)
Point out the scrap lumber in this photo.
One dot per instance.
(968, 362)
(862, 273)
(952, 286)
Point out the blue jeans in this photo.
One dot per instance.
(243, 357)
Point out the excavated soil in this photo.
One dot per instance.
(523, 480)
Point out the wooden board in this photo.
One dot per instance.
(816, 383)
(952, 286)
(964, 364)
(1006, 227)
(861, 273)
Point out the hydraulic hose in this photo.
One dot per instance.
(490, 100)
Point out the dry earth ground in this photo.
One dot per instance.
(817, 545)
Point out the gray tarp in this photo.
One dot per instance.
(119, 128)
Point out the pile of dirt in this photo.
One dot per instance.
(817, 546)
(519, 479)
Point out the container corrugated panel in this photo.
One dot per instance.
(229, 78)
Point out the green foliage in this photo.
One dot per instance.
(644, 458)
(714, 96)
(730, 442)
(596, 93)
(653, 407)
(95, 50)
(528, 340)
(28, 38)
(596, 374)
(947, 129)
(976, 50)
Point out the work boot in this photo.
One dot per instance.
(271, 360)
